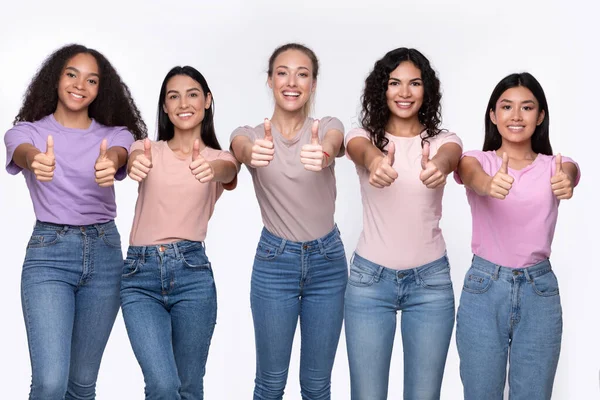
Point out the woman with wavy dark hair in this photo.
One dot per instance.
(510, 304)
(402, 159)
(168, 293)
(300, 267)
(70, 140)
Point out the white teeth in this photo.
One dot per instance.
(295, 94)
(183, 115)
(77, 96)
(404, 103)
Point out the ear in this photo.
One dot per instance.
(314, 86)
(208, 101)
(270, 82)
(541, 117)
(493, 117)
(165, 108)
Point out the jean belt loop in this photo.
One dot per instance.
(281, 246)
(64, 229)
(99, 229)
(143, 254)
(496, 272)
(177, 250)
(527, 276)
(203, 245)
(378, 275)
(352, 258)
(321, 246)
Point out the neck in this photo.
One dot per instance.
(404, 127)
(72, 119)
(183, 140)
(517, 151)
(288, 122)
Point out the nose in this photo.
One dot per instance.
(292, 80)
(516, 114)
(79, 82)
(405, 91)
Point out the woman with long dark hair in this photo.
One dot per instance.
(168, 293)
(70, 140)
(300, 269)
(510, 304)
(402, 158)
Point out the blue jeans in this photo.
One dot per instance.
(169, 304)
(70, 298)
(508, 314)
(374, 296)
(291, 280)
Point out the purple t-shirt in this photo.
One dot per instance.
(72, 197)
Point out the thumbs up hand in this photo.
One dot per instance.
(381, 170)
(105, 167)
(43, 164)
(263, 149)
(141, 166)
(562, 185)
(201, 169)
(430, 175)
(312, 155)
(500, 184)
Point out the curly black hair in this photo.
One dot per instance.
(113, 106)
(375, 112)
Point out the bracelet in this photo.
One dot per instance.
(326, 154)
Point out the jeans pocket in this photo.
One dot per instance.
(335, 251)
(131, 266)
(437, 279)
(477, 281)
(43, 239)
(195, 259)
(360, 276)
(112, 238)
(266, 252)
(545, 285)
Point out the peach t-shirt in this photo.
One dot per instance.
(401, 222)
(172, 204)
(295, 204)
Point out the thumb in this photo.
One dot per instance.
(391, 155)
(147, 149)
(314, 138)
(103, 146)
(50, 146)
(504, 166)
(558, 160)
(268, 134)
(425, 155)
(196, 150)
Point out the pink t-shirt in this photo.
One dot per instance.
(401, 222)
(295, 204)
(172, 204)
(515, 232)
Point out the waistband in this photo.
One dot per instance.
(499, 271)
(382, 272)
(99, 228)
(311, 245)
(173, 249)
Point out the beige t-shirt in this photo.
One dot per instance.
(296, 204)
(401, 222)
(172, 204)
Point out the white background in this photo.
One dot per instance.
(471, 44)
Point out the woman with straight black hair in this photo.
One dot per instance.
(402, 159)
(510, 303)
(70, 141)
(168, 293)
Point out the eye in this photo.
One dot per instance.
(416, 83)
(506, 107)
(172, 96)
(393, 83)
(92, 81)
(303, 74)
(527, 108)
(70, 74)
(193, 94)
(281, 73)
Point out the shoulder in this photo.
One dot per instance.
(446, 137)
(330, 123)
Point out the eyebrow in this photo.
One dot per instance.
(187, 91)
(510, 101)
(398, 80)
(76, 70)
(286, 67)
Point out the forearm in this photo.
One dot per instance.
(24, 152)
(473, 176)
(225, 171)
(447, 157)
(241, 148)
(117, 155)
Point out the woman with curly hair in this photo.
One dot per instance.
(70, 140)
(402, 159)
(300, 268)
(168, 293)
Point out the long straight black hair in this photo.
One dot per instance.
(540, 140)
(166, 129)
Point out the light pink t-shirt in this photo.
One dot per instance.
(172, 204)
(516, 232)
(401, 222)
(295, 204)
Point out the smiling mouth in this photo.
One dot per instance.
(77, 96)
(185, 115)
(515, 128)
(291, 94)
(404, 104)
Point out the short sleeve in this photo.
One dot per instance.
(121, 138)
(567, 160)
(354, 133)
(327, 124)
(16, 136)
(480, 156)
(246, 131)
(448, 137)
(137, 145)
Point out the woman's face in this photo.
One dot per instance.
(292, 80)
(78, 83)
(185, 102)
(517, 114)
(405, 91)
